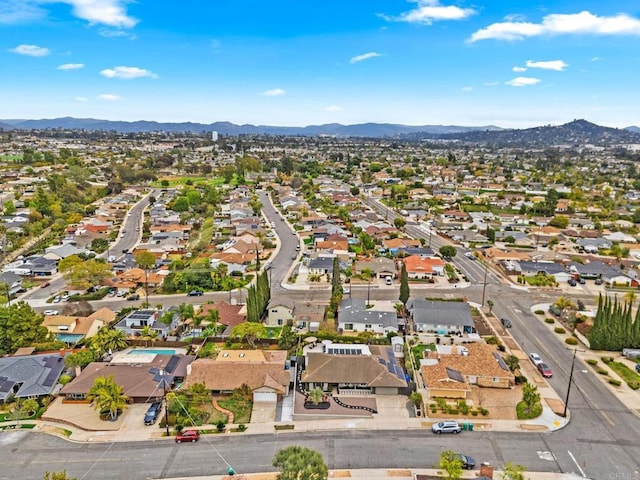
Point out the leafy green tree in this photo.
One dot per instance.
(511, 471)
(80, 359)
(451, 464)
(249, 332)
(399, 223)
(300, 463)
(88, 273)
(405, 292)
(108, 340)
(530, 396)
(512, 362)
(99, 245)
(147, 333)
(107, 396)
(20, 326)
(448, 252)
(57, 476)
(68, 263)
(288, 338)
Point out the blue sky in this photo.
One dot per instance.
(512, 63)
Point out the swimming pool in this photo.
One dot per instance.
(157, 351)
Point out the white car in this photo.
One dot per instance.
(535, 358)
(51, 312)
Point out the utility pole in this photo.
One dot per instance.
(566, 400)
(484, 282)
(164, 397)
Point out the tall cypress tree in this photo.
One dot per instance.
(405, 292)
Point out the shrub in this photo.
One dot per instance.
(483, 411)
(520, 379)
(634, 385)
(571, 341)
(454, 411)
(602, 371)
(474, 413)
(242, 427)
(549, 320)
(559, 330)
(523, 414)
(615, 382)
(539, 312)
(592, 361)
(64, 379)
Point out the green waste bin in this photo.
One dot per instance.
(470, 425)
(464, 426)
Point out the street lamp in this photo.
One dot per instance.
(164, 397)
(484, 282)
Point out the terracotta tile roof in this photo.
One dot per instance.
(228, 375)
(229, 314)
(415, 263)
(333, 245)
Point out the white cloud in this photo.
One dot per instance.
(109, 97)
(519, 69)
(429, 11)
(104, 12)
(81, 99)
(467, 89)
(365, 56)
(333, 108)
(274, 92)
(523, 81)
(70, 66)
(596, 59)
(19, 11)
(557, 65)
(127, 73)
(584, 23)
(31, 50)
(109, 33)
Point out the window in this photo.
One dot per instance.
(496, 379)
(368, 325)
(279, 322)
(348, 326)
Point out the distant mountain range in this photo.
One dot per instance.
(227, 128)
(578, 132)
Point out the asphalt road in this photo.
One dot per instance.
(29, 455)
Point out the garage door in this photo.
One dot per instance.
(267, 397)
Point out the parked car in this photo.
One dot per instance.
(45, 284)
(506, 323)
(582, 281)
(638, 367)
(598, 281)
(133, 297)
(535, 358)
(51, 312)
(572, 282)
(388, 281)
(188, 436)
(195, 293)
(56, 299)
(468, 463)
(544, 369)
(446, 426)
(153, 412)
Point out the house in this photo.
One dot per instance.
(12, 281)
(228, 315)
(133, 323)
(440, 316)
(321, 266)
(353, 316)
(381, 267)
(422, 267)
(450, 372)
(279, 313)
(71, 329)
(531, 269)
(354, 369)
(265, 372)
(29, 376)
(139, 375)
(307, 315)
(64, 251)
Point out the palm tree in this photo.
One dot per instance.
(213, 318)
(108, 396)
(316, 395)
(109, 340)
(147, 333)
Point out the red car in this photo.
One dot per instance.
(188, 436)
(545, 371)
(44, 284)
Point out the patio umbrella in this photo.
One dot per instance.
(310, 340)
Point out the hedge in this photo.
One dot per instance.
(571, 341)
(592, 361)
(615, 382)
(559, 330)
(549, 320)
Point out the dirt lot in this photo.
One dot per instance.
(500, 402)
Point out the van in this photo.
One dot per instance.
(388, 281)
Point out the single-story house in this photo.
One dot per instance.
(353, 316)
(29, 376)
(354, 369)
(440, 316)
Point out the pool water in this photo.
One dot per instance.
(164, 351)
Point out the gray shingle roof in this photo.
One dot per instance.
(431, 312)
(27, 376)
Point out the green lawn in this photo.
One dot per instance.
(273, 332)
(241, 409)
(630, 377)
(418, 352)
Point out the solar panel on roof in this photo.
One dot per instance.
(500, 361)
(454, 375)
(51, 378)
(172, 363)
(6, 385)
(382, 361)
(400, 375)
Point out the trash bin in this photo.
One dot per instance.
(465, 426)
(470, 427)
